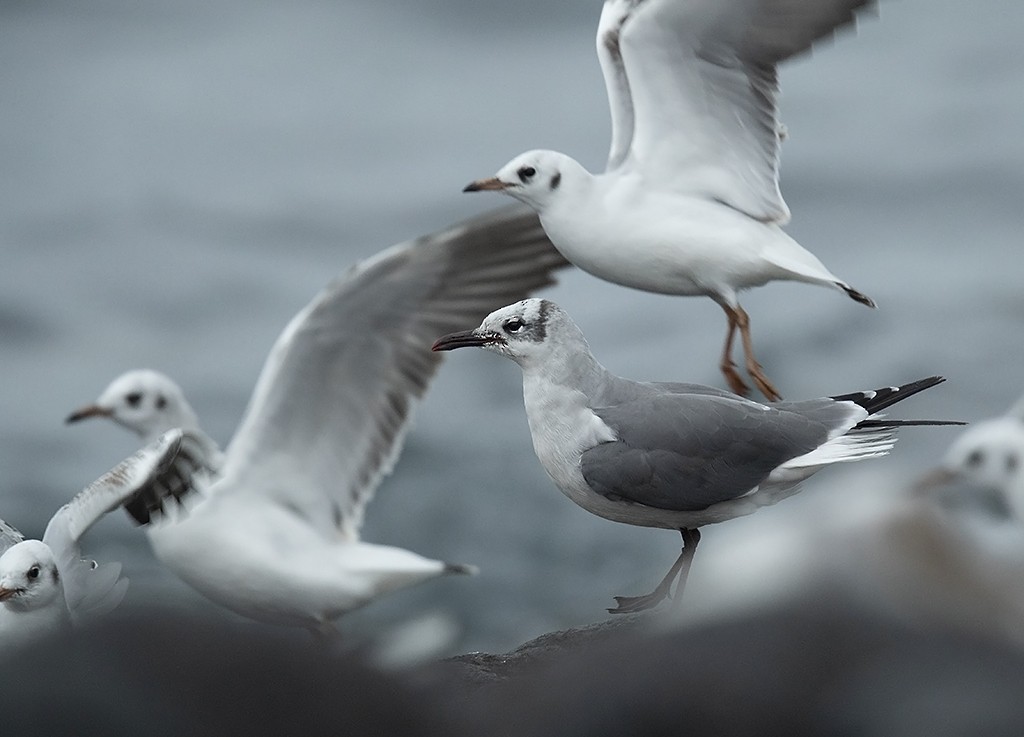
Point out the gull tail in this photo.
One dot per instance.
(872, 437)
(856, 445)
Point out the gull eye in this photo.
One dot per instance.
(33, 573)
(133, 399)
(975, 459)
(161, 401)
(526, 173)
(514, 325)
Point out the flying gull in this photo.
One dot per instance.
(272, 526)
(689, 202)
(670, 455)
(45, 585)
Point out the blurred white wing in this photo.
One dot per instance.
(9, 536)
(163, 469)
(609, 54)
(328, 414)
(702, 80)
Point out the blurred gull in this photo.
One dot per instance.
(274, 535)
(689, 203)
(947, 550)
(676, 456)
(45, 585)
(988, 455)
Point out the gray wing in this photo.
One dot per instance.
(92, 589)
(686, 452)
(9, 536)
(703, 86)
(333, 401)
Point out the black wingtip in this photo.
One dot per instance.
(857, 296)
(877, 400)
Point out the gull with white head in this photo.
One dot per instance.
(45, 585)
(689, 203)
(671, 455)
(272, 533)
(986, 462)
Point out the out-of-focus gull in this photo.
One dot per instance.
(676, 456)
(946, 550)
(274, 534)
(988, 455)
(689, 203)
(146, 402)
(45, 585)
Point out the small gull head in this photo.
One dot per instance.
(534, 177)
(28, 576)
(146, 402)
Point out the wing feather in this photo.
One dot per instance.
(91, 589)
(333, 402)
(703, 85)
(687, 452)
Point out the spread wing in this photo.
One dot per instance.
(328, 414)
(686, 452)
(92, 589)
(702, 87)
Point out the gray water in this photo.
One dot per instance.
(180, 178)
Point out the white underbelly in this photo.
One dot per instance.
(700, 248)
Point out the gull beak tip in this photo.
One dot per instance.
(463, 339)
(485, 185)
(92, 410)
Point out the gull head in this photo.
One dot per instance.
(28, 576)
(536, 178)
(146, 402)
(989, 455)
(529, 332)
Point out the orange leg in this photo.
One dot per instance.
(753, 367)
(732, 376)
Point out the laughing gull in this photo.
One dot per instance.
(272, 526)
(45, 585)
(676, 456)
(689, 203)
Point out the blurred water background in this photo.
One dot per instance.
(178, 179)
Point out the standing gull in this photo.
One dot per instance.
(272, 531)
(45, 585)
(689, 203)
(677, 456)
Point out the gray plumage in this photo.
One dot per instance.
(701, 450)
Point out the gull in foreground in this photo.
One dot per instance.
(676, 456)
(45, 585)
(689, 203)
(273, 533)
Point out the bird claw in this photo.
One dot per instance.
(762, 383)
(631, 604)
(733, 379)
